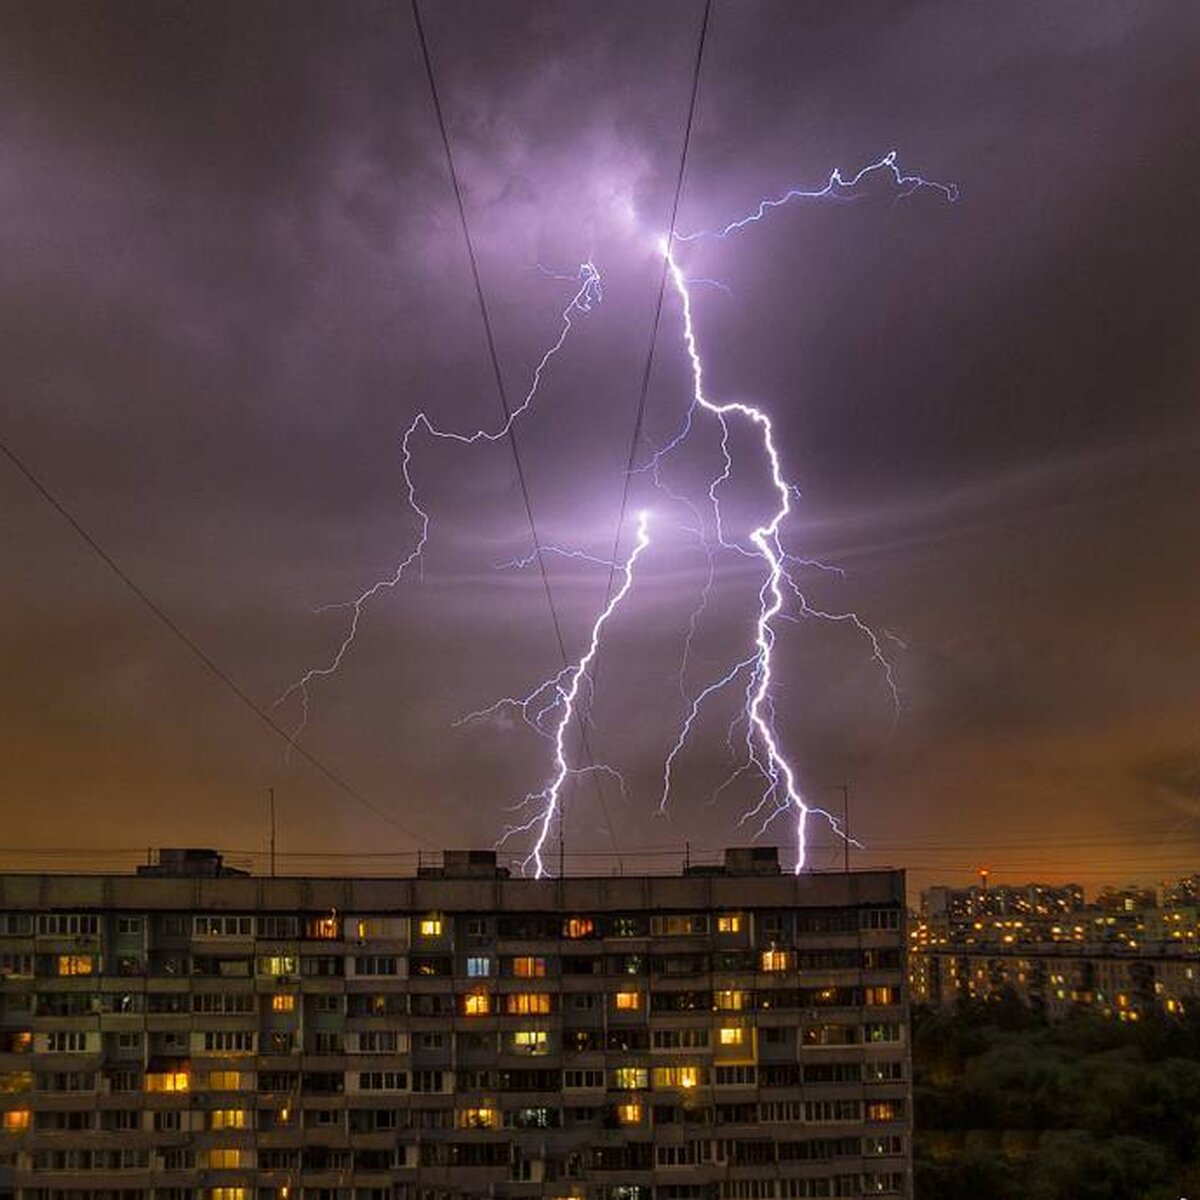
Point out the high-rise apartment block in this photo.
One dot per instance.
(188, 1033)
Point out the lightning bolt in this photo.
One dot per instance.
(588, 293)
(836, 187)
(765, 754)
(566, 687)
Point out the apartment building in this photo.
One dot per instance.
(191, 1033)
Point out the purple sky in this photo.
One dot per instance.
(233, 273)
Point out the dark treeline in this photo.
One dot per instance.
(1010, 1108)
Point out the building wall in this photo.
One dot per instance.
(704, 1037)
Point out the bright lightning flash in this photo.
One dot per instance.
(782, 792)
(587, 294)
(567, 685)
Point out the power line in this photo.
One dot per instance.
(196, 649)
(640, 414)
(501, 391)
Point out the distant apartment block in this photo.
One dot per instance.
(191, 1033)
(1124, 955)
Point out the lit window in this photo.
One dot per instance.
(225, 1158)
(527, 1003)
(21, 1041)
(76, 964)
(628, 1001)
(629, 1114)
(16, 1120)
(282, 1003)
(228, 1193)
(729, 923)
(477, 1004)
(222, 1081)
(531, 1041)
(227, 1118)
(729, 1001)
(630, 1078)
(326, 929)
(168, 1081)
(529, 968)
(676, 1077)
(776, 960)
(277, 965)
(477, 967)
(431, 926)
(476, 1118)
(578, 927)
(731, 1035)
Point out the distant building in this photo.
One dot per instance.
(187, 1033)
(1123, 956)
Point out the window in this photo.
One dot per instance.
(627, 1001)
(673, 925)
(75, 964)
(430, 926)
(278, 928)
(279, 965)
(225, 1081)
(584, 1079)
(227, 927)
(735, 1076)
(228, 1193)
(818, 1112)
(729, 923)
(629, 1114)
(68, 925)
(479, 966)
(429, 1081)
(228, 1041)
(16, 1120)
(882, 1031)
(776, 960)
(731, 1001)
(383, 1081)
(376, 964)
(228, 1118)
(731, 1035)
(325, 929)
(527, 1003)
(679, 1077)
(529, 968)
(879, 918)
(881, 995)
(168, 1121)
(579, 927)
(168, 1081)
(66, 1043)
(884, 1071)
(223, 1002)
(630, 1078)
(478, 1004)
(283, 1002)
(129, 925)
(680, 1039)
(530, 1041)
(476, 1118)
(378, 1041)
(885, 1110)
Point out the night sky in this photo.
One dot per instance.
(233, 272)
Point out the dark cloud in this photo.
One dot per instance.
(233, 274)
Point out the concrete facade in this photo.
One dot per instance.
(728, 1034)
